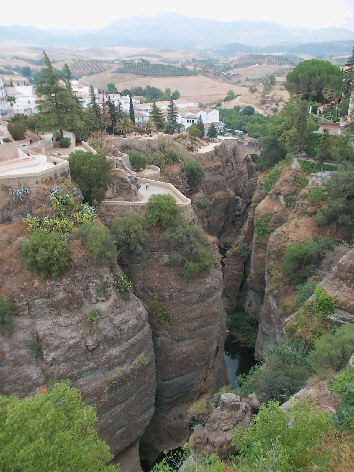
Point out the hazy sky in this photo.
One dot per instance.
(79, 14)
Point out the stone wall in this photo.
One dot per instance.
(61, 169)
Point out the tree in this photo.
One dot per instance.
(161, 210)
(212, 132)
(131, 110)
(59, 109)
(310, 78)
(130, 234)
(124, 126)
(46, 253)
(194, 131)
(93, 102)
(349, 74)
(157, 117)
(100, 243)
(230, 96)
(55, 430)
(323, 150)
(111, 88)
(175, 95)
(200, 125)
(194, 172)
(113, 114)
(92, 173)
(17, 130)
(248, 110)
(171, 125)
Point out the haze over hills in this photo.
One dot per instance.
(174, 31)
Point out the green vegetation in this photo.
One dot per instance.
(242, 251)
(235, 119)
(304, 292)
(152, 93)
(137, 160)
(130, 234)
(185, 240)
(311, 321)
(6, 316)
(46, 253)
(64, 142)
(261, 225)
(316, 195)
(161, 210)
(290, 200)
(343, 385)
(212, 132)
(55, 430)
(284, 372)
(316, 80)
(270, 179)
(194, 172)
(300, 259)
(311, 167)
(287, 440)
(92, 173)
(332, 351)
(123, 285)
(100, 244)
(35, 349)
(147, 69)
(17, 130)
(19, 195)
(160, 312)
(243, 327)
(340, 202)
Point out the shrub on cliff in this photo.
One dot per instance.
(92, 173)
(17, 130)
(333, 350)
(130, 234)
(46, 253)
(194, 172)
(161, 210)
(6, 314)
(100, 243)
(52, 430)
(300, 259)
(285, 442)
(137, 160)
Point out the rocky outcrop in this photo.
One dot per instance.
(215, 436)
(78, 327)
(188, 346)
(318, 392)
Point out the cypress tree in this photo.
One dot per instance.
(171, 125)
(131, 110)
(157, 117)
(200, 125)
(212, 131)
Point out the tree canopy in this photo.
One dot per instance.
(59, 109)
(52, 430)
(92, 173)
(311, 79)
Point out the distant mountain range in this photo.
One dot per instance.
(173, 31)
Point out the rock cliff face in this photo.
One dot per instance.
(189, 349)
(75, 327)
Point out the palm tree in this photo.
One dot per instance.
(124, 126)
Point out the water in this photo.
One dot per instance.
(238, 358)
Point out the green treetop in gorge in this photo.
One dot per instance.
(51, 431)
(59, 109)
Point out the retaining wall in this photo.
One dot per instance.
(61, 169)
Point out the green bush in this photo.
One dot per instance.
(283, 373)
(100, 244)
(261, 224)
(242, 251)
(270, 179)
(161, 210)
(310, 167)
(314, 141)
(137, 160)
(160, 312)
(311, 321)
(123, 285)
(343, 384)
(186, 243)
(332, 351)
(64, 142)
(130, 234)
(92, 173)
(316, 195)
(93, 317)
(6, 316)
(17, 130)
(304, 292)
(193, 171)
(46, 253)
(242, 326)
(300, 259)
(290, 200)
(282, 442)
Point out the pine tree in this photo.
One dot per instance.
(324, 149)
(171, 125)
(157, 117)
(200, 125)
(59, 108)
(113, 114)
(131, 110)
(212, 131)
(93, 102)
